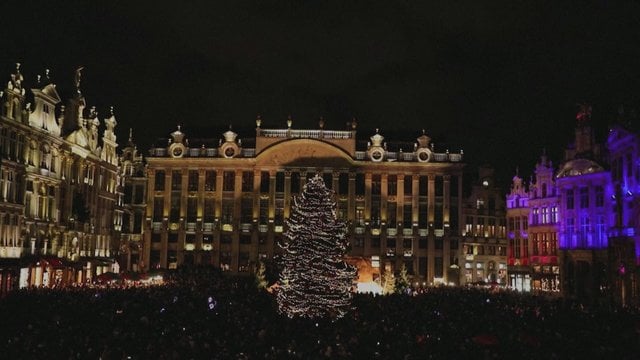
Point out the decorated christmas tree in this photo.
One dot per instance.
(402, 282)
(260, 277)
(315, 280)
(388, 282)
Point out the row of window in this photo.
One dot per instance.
(247, 182)
(481, 249)
(583, 197)
(544, 243)
(544, 215)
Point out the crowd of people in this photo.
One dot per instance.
(201, 313)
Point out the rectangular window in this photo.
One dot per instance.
(176, 180)
(264, 211)
(406, 216)
(158, 206)
(229, 181)
(328, 180)
(209, 210)
(139, 194)
(376, 184)
(227, 211)
(343, 184)
(423, 216)
(534, 216)
(159, 180)
(422, 266)
(360, 184)
(392, 209)
(584, 198)
(210, 181)
(554, 214)
(192, 209)
(264, 182)
(193, 180)
(375, 213)
(359, 214)
(408, 185)
(174, 211)
(569, 199)
(247, 181)
(599, 196)
(392, 185)
(584, 232)
(375, 242)
(423, 186)
(280, 181)
(437, 267)
(246, 210)
(439, 184)
(570, 229)
(295, 182)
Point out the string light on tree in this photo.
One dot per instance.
(315, 280)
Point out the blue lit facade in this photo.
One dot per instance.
(623, 234)
(581, 239)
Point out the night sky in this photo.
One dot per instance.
(499, 79)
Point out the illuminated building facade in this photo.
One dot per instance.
(624, 232)
(580, 239)
(518, 237)
(134, 184)
(583, 187)
(58, 187)
(223, 202)
(543, 229)
(484, 240)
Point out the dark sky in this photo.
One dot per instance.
(499, 79)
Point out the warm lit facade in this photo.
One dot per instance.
(484, 241)
(224, 203)
(134, 186)
(58, 187)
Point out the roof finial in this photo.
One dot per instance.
(46, 73)
(18, 68)
(321, 122)
(258, 120)
(130, 134)
(289, 121)
(78, 78)
(354, 123)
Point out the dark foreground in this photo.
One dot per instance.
(179, 322)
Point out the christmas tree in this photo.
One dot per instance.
(388, 282)
(260, 277)
(315, 280)
(402, 282)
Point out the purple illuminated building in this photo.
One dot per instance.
(575, 233)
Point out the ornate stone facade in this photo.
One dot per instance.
(59, 187)
(224, 202)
